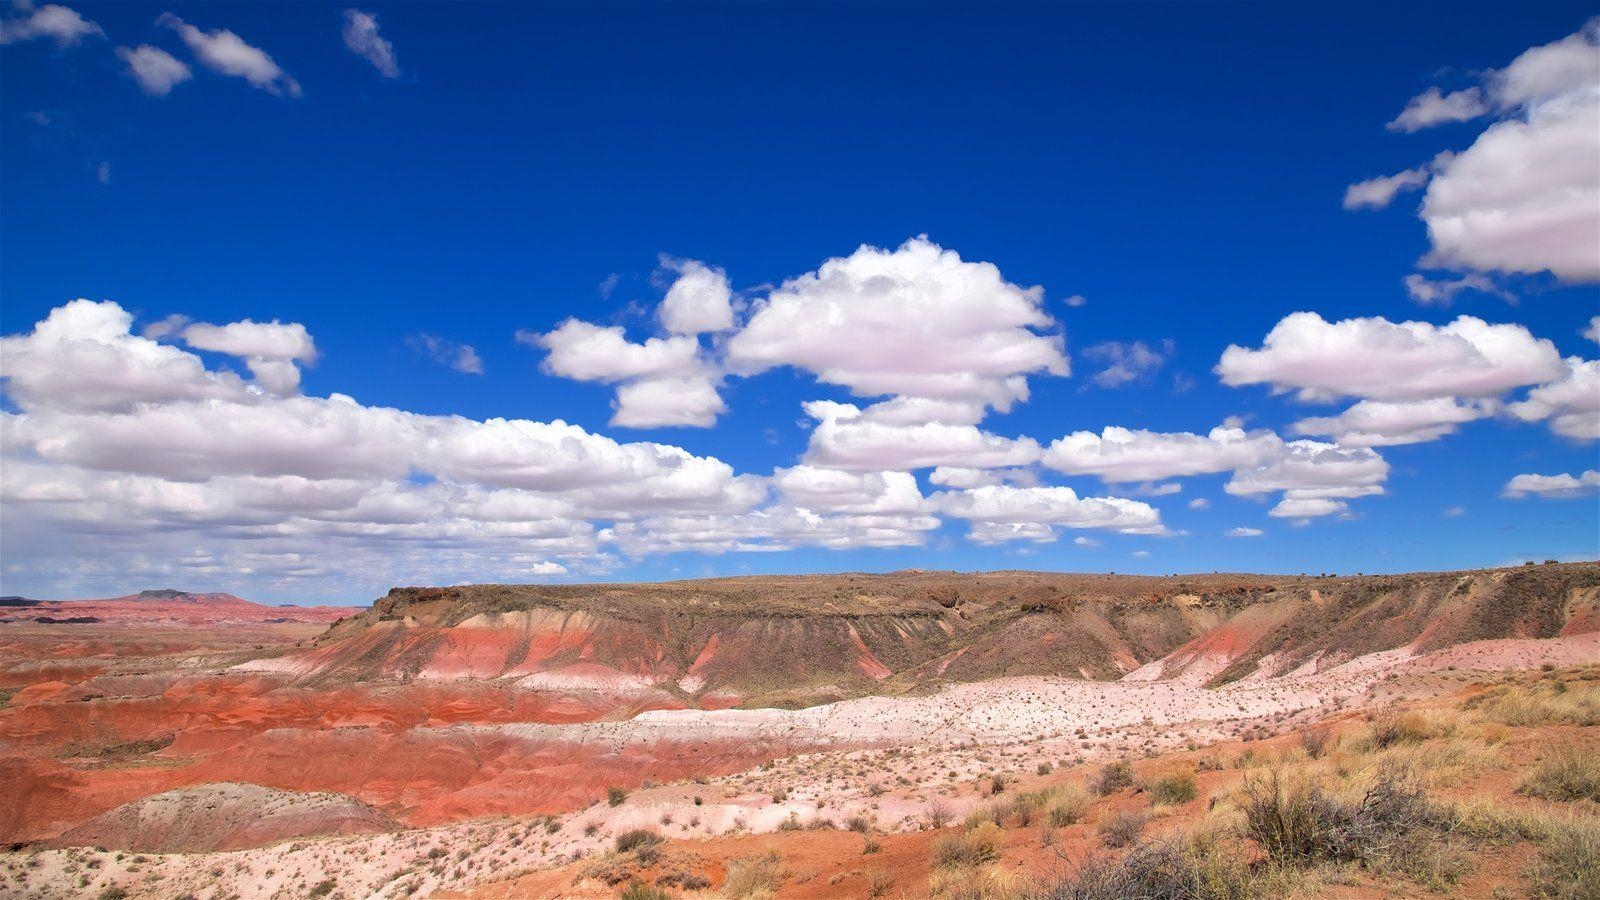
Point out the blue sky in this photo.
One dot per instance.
(1181, 168)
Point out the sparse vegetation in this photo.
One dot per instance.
(1122, 827)
(1173, 788)
(754, 877)
(1113, 777)
(1565, 774)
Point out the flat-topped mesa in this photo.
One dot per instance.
(788, 640)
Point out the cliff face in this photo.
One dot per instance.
(802, 640)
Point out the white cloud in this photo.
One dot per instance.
(1374, 358)
(1315, 478)
(156, 70)
(270, 350)
(1553, 486)
(361, 38)
(224, 52)
(1242, 532)
(1199, 503)
(1571, 404)
(699, 300)
(1377, 423)
(1442, 292)
(1005, 512)
(846, 437)
(102, 173)
(1307, 507)
(1592, 332)
(1124, 363)
(1123, 454)
(668, 402)
(664, 381)
(463, 358)
(1082, 541)
(1432, 107)
(58, 23)
(1525, 196)
(1377, 193)
(914, 322)
(833, 490)
(547, 568)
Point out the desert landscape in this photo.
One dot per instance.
(911, 734)
(683, 450)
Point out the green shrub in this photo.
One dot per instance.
(615, 795)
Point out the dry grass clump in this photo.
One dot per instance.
(1394, 828)
(969, 849)
(1567, 774)
(1113, 777)
(638, 890)
(754, 877)
(1173, 788)
(1122, 827)
(1187, 868)
(1391, 728)
(1568, 864)
(964, 866)
(1548, 702)
(1318, 739)
(1067, 805)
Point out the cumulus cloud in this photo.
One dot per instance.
(119, 437)
(1261, 461)
(664, 381)
(1377, 193)
(1119, 454)
(668, 403)
(226, 53)
(1525, 196)
(1592, 331)
(156, 70)
(1442, 291)
(1001, 513)
(270, 350)
(461, 357)
(361, 37)
(834, 490)
(1378, 423)
(1315, 478)
(1125, 363)
(699, 300)
(1570, 404)
(847, 437)
(1242, 532)
(58, 23)
(1553, 486)
(917, 321)
(1374, 358)
(1433, 107)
